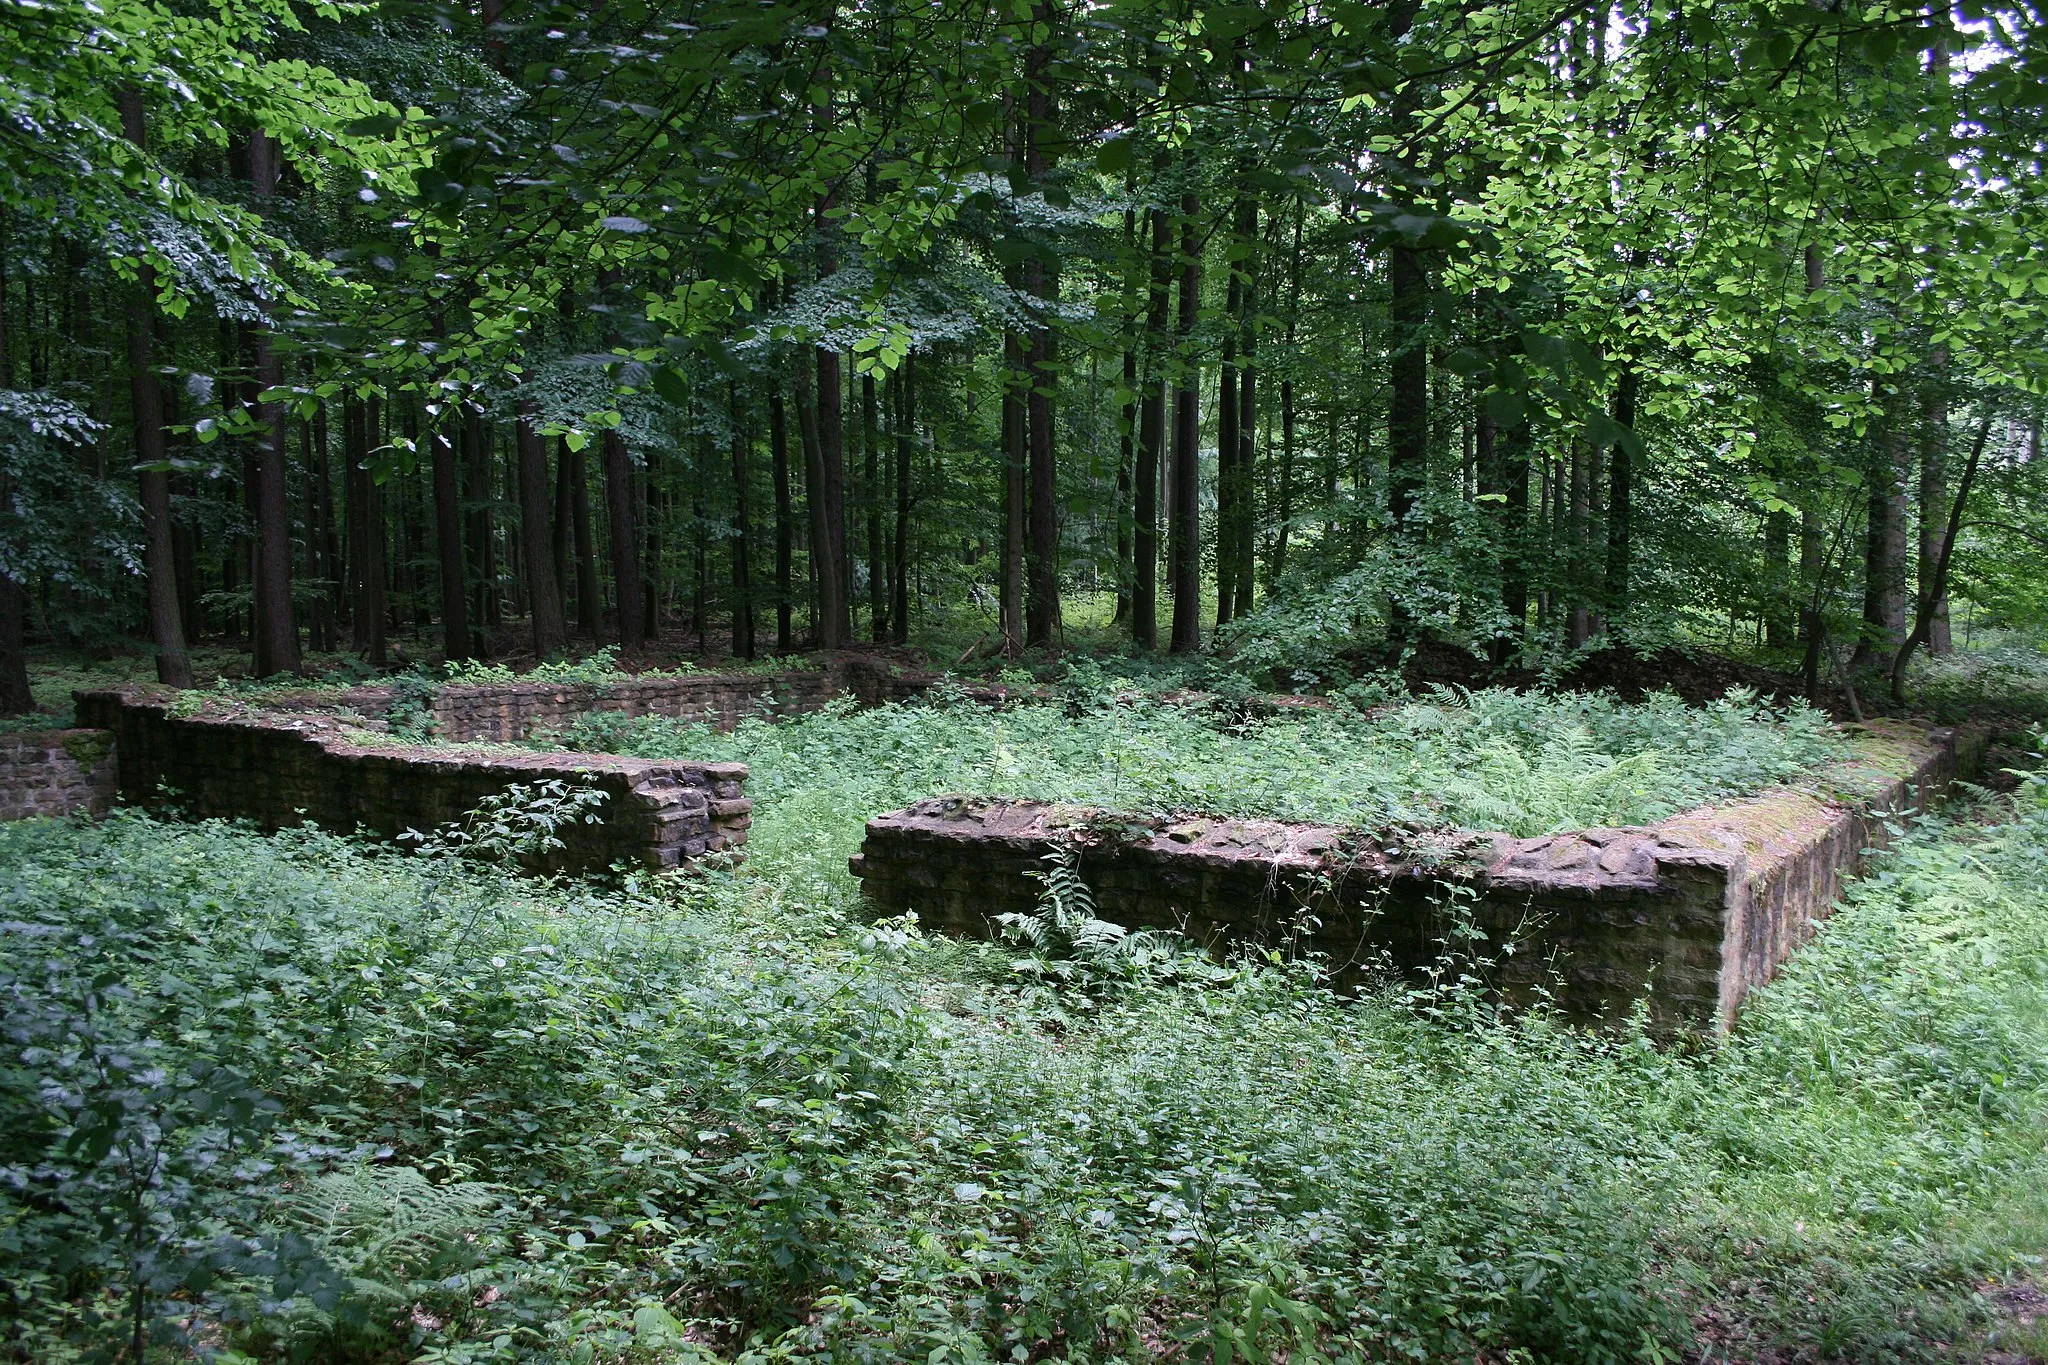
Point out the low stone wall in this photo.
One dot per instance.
(506, 713)
(57, 772)
(1689, 914)
(279, 769)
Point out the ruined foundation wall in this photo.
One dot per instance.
(1689, 914)
(57, 772)
(507, 713)
(280, 769)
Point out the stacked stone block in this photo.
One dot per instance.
(1686, 916)
(57, 772)
(279, 769)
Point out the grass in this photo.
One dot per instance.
(411, 1109)
(1490, 760)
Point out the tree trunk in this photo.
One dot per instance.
(1010, 604)
(1884, 541)
(1620, 491)
(1407, 401)
(1778, 627)
(825, 458)
(1514, 578)
(1934, 499)
(1245, 536)
(1042, 589)
(1151, 441)
(365, 531)
(625, 538)
(1227, 445)
(1578, 626)
(276, 629)
(589, 611)
(742, 537)
(871, 499)
(536, 543)
(1126, 449)
(159, 560)
(455, 641)
(906, 444)
(1185, 515)
(831, 592)
(654, 500)
(483, 549)
(785, 521)
(1408, 377)
(16, 697)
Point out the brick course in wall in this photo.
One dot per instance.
(1689, 914)
(57, 772)
(278, 769)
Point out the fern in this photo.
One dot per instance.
(394, 1238)
(1069, 942)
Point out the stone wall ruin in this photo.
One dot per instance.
(1687, 915)
(278, 769)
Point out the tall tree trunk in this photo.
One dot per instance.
(482, 568)
(742, 536)
(1285, 511)
(630, 597)
(825, 457)
(1042, 588)
(1779, 589)
(831, 614)
(1151, 441)
(562, 528)
(785, 521)
(1884, 542)
(159, 560)
(654, 500)
(1514, 579)
(1810, 534)
(1185, 515)
(365, 531)
(1227, 445)
(1934, 497)
(536, 542)
(16, 697)
(906, 443)
(455, 641)
(320, 618)
(625, 541)
(871, 499)
(277, 633)
(1408, 398)
(1126, 448)
(1620, 495)
(1245, 532)
(1010, 604)
(1579, 617)
(589, 611)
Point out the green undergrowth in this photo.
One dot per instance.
(1523, 763)
(290, 1098)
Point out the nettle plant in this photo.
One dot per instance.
(521, 824)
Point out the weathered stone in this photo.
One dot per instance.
(1690, 914)
(280, 769)
(57, 772)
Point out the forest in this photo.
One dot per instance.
(1432, 422)
(1310, 334)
